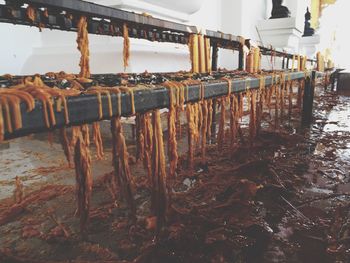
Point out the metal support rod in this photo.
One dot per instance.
(137, 135)
(241, 57)
(215, 56)
(214, 68)
(283, 62)
(308, 99)
(287, 63)
(333, 77)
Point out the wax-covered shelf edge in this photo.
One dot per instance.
(84, 108)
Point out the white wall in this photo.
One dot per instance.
(16, 46)
(239, 17)
(26, 51)
(57, 50)
(334, 33)
(253, 12)
(208, 16)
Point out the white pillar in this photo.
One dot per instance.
(298, 9)
(285, 33)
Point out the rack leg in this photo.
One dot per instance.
(241, 58)
(334, 80)
(214, 62)
(213, 125)
(308, 100)
(214, 68)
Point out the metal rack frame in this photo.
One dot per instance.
(63, 15)
(84, 108)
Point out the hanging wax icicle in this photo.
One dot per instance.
(234, 119)
(241, 105)
(146, 123)
(2, 122)
(190, 112)
(83, 46)
(194, 114)
(82, 160)
(182, 90)
(260, 105)
(178, 122)
(172, 141)
(204, 129)
(97, 138)
(221, 132)
(96, 131)
(282, 94)
(252, 122)
(269, 93)
(201, 121)
(197, 123)
(80, 136)
(210, 117)
(140, 138)
(268, 98)
(76, 130)
(126, 46)
(290, 97)
(85, 131)
(159, 188)
(121, 165)
(222, 123)
(277, 101)
(176, 104)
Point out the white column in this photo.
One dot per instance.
(285, 33)
(298, 9)
(16, 46)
